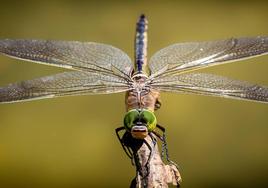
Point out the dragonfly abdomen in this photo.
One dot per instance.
(141, 45)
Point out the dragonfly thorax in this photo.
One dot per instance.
(141, 95)
(139, 83)
(139, 122)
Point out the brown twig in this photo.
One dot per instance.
(151, 172)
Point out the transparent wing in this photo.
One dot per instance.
(183, 57)
(85, 56)
(63, 84)
(208, 84)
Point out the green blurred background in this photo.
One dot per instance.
(70, 142)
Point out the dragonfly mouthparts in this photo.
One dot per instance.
(139, 132)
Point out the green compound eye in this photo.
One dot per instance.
(144, 116)
(129, 119)
(149, 118)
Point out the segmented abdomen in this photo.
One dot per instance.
(141, 44)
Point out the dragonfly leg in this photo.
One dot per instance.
(154, 140)
(160, 138)
(164, 144)
(121, 140)
(164, 141)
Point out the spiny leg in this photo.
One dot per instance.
(147, 165)
(164, 144)
(165, 149)
(160, 138)
(164, 141)
(132, 155)
(121, 140)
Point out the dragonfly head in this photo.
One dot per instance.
(140, 122)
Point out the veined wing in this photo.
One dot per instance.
(208, 84)
(182, 57)
(63, 84)
(83, 56)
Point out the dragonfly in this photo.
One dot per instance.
(96, 68)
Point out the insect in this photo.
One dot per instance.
(103, 69)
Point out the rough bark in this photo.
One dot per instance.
(156, 174)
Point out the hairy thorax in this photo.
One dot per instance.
(142, 98)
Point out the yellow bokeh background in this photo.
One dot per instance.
(70, 142)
